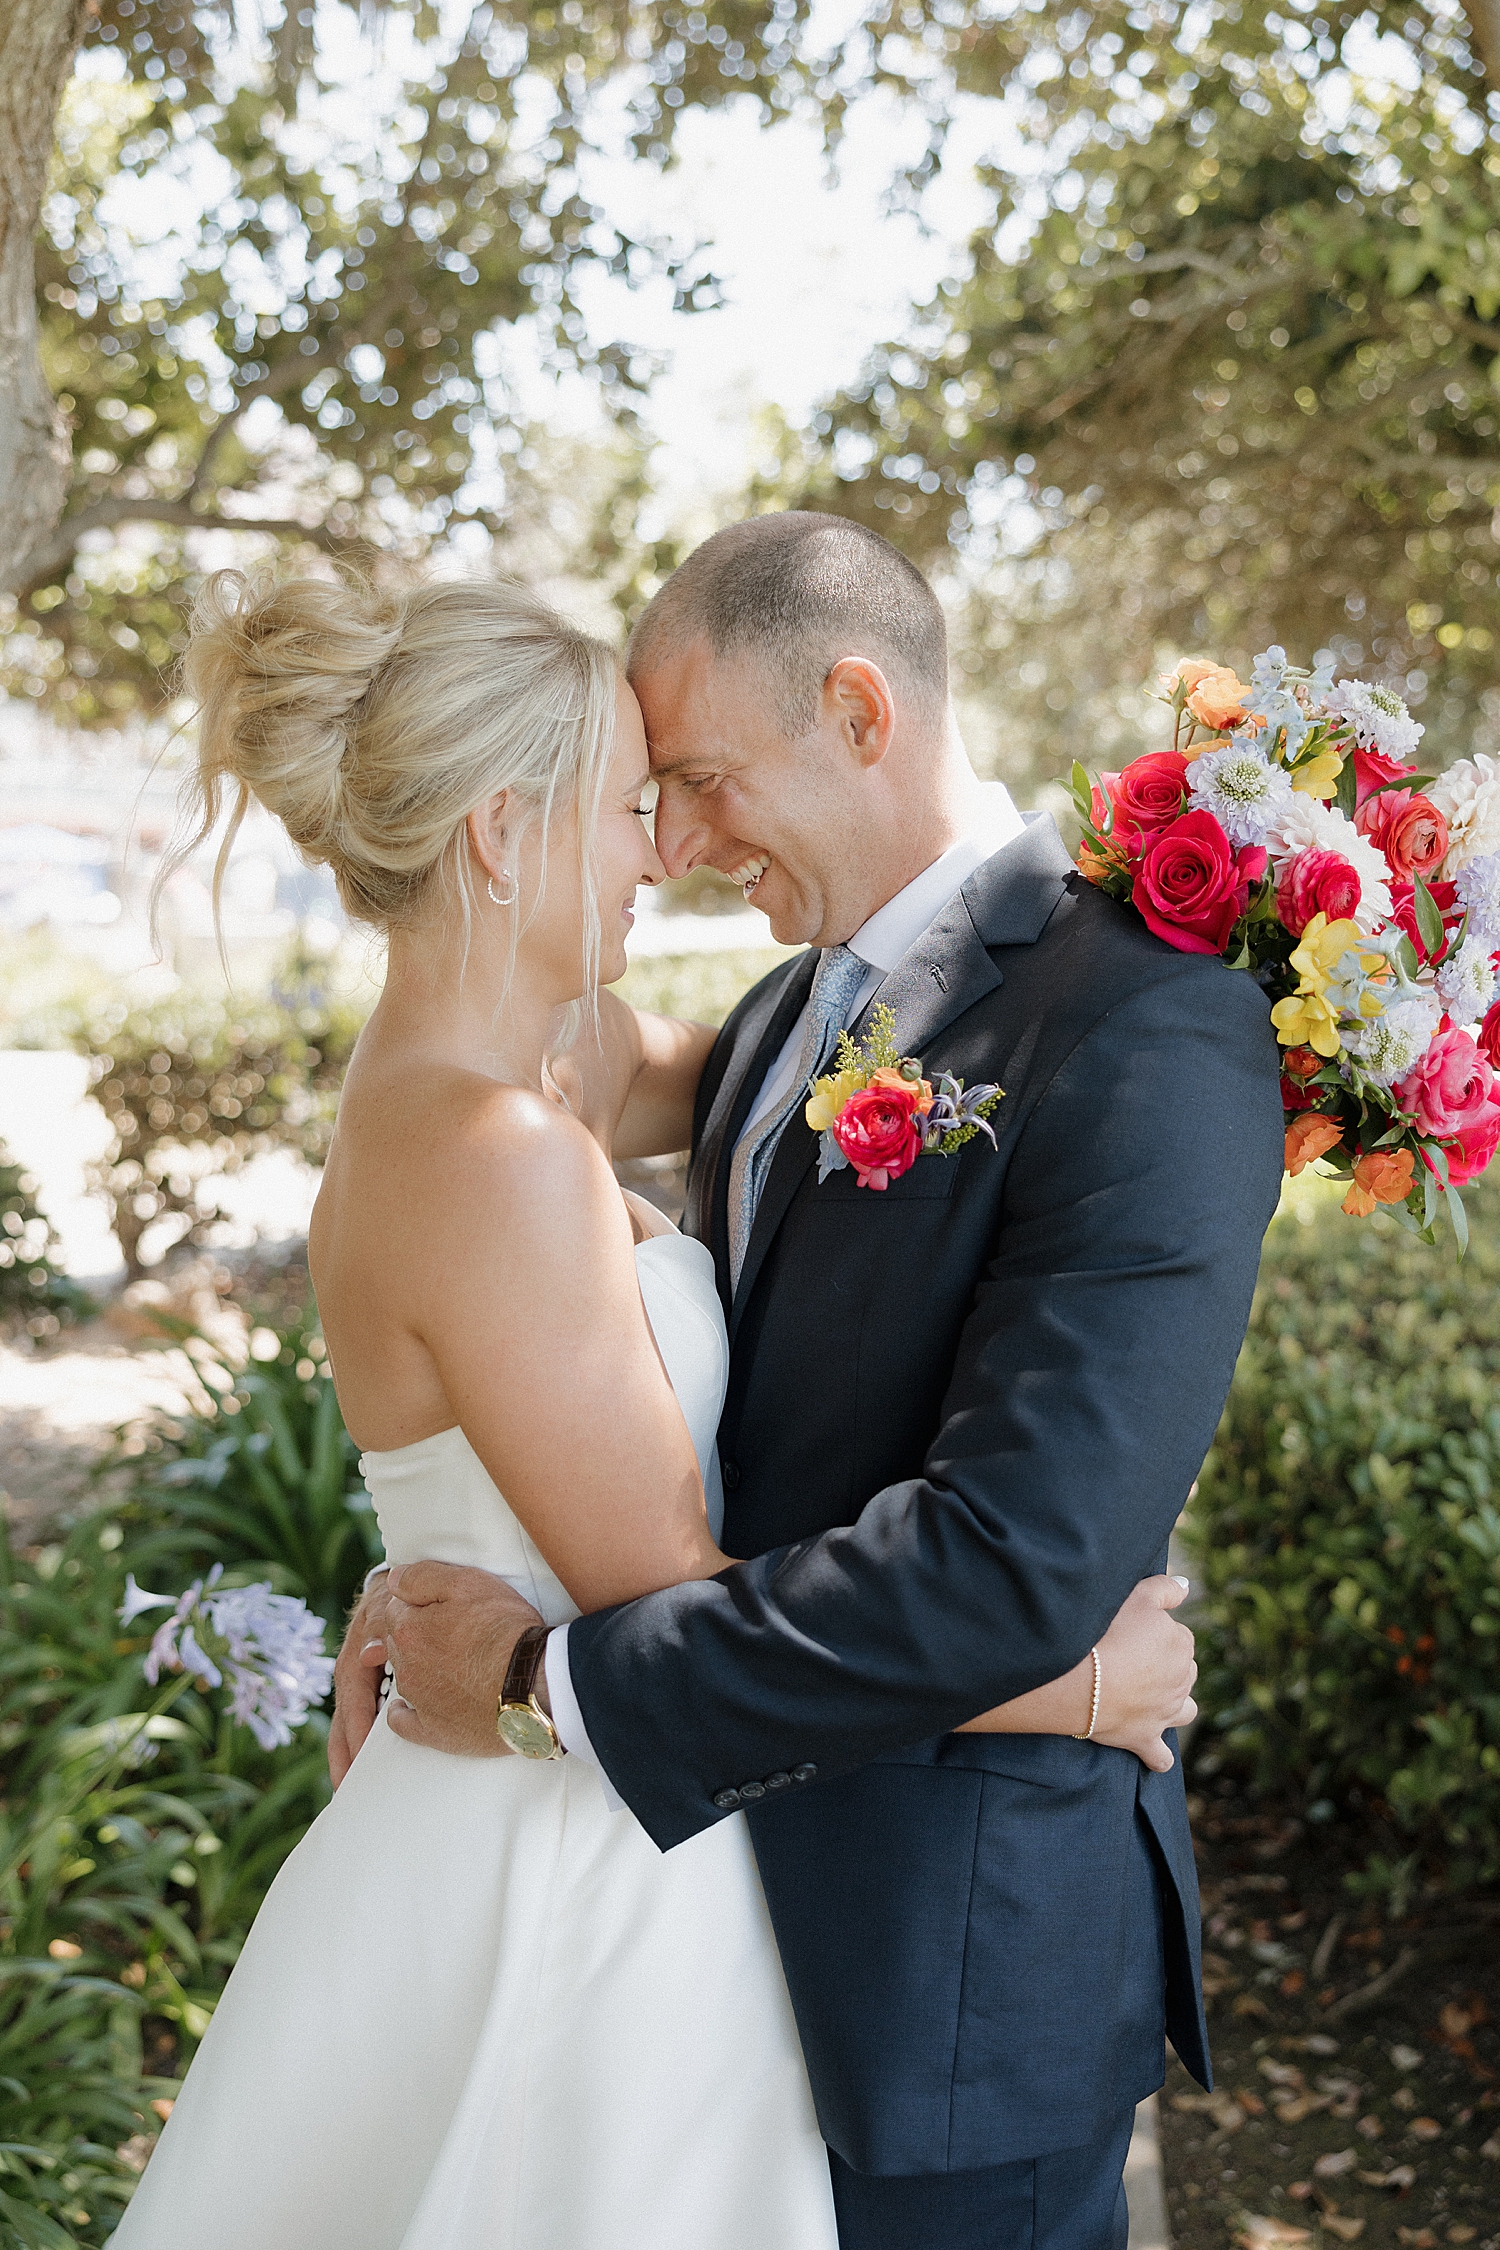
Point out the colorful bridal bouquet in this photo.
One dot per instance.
(1288, 830)
(877, 1112)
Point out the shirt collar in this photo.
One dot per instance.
(894, 928)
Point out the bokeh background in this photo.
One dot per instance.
(1144, 330)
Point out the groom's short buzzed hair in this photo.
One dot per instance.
(799, 591)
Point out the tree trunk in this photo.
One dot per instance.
(1484, 37)
(38, 40)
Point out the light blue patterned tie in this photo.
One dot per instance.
(840, 975)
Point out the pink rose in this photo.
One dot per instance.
(1316, 882)
(1146, 797)
(1192, 887)
(878, 1132)
(1475, 1146)
(1449, 1092)
(1409, 830)
(1489, 1037)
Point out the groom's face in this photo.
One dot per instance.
(782, 816)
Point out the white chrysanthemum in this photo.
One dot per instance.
(1466, 982)
(1468, 797)
(1479, 888)
(1241, 788)
(1379, 718)
(1307, 825)
(1388, 1047)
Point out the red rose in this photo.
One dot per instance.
(1489, 1037)
(1316, 882)
(1146, 797)
(1409, 830)
(878, 1132)
(1192, 887)
(1372, 769)
(1404, 912)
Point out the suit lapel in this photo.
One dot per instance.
(759, 1040)
(1007, 901)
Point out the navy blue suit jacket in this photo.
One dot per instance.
(962, 1417)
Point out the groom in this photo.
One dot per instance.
(962, 1415)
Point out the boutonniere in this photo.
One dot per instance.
(877, 1112)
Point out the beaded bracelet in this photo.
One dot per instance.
(1088, 1735)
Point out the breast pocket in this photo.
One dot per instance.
(930, 1180)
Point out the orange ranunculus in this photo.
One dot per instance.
(1384, 1176)
(885, 1076)
(1308, 1136)
(1219, 698)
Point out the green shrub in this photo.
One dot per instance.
(1346, 1527)
(260, 1476)
(134, 1861)
(194, 1087)
(35, 1295)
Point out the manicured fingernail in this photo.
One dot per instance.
(1184, 1583)
(371, 1645)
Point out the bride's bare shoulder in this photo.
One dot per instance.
(493, 1153)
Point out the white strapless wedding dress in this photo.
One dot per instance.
(479, 2010)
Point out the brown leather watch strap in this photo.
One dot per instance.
(525, 1663)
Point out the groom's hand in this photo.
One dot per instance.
(449, 1633)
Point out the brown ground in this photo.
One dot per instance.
(1343, 2112)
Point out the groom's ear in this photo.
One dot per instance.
(857, 699)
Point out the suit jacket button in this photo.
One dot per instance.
(751, 1792)
(804, 1773)
(778, 1781)
(730, 1471)
(727, 1799)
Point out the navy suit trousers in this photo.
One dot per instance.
(1071, 2200)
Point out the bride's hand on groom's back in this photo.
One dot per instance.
(1145, 1682)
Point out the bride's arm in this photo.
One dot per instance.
(531, 1310)
(1144, 1682)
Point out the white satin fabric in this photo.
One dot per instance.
(480, 2011)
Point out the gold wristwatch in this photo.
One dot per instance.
(520, 1722)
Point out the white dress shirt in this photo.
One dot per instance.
(883, 941)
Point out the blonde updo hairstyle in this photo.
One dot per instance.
(371, 725)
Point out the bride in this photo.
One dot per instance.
(479, 2010)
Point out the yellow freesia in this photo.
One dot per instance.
(1319, 777)
(829, 1096)
(1306, 1020)
(1322, 946)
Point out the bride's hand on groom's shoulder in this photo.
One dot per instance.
(448, 1633)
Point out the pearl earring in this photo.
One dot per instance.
(510, 888)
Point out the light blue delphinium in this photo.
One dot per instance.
(1273, 695)
(267, 1646)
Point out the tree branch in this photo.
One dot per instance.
(1484, 37)
(44, 565)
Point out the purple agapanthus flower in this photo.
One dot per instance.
(268, 1647)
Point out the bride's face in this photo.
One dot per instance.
(551, 949)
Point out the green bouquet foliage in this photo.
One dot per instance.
(1346, 1528)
